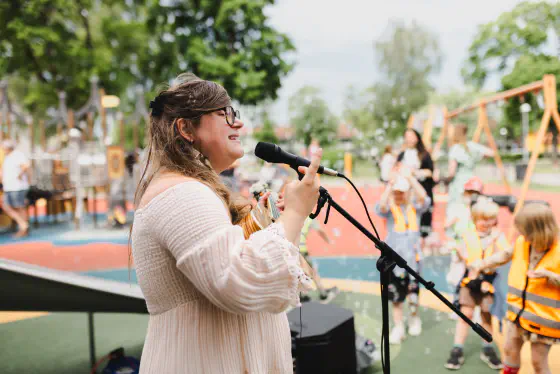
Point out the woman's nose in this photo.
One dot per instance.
(238, 123)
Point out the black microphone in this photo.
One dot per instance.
(272, 153)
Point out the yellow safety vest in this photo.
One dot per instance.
(400, 223)
(534, 303)
(474, 248)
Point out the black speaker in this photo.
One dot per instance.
(325, 343)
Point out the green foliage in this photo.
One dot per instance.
(60, 44)
(228, 41)
(359, 109)
(312, 117)
(334, 158)
(528, 69)
(408, 56)
(266, 134)
(498, 44)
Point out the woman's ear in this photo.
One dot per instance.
(182, 129)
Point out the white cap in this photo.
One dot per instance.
(401, 184)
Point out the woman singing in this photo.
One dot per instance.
(217, 302)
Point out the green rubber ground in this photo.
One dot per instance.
(58, 343)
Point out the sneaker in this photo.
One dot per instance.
(415, 326)
(304, 298)
(329, 294)
(397, 335)
(491, 358)
(456, 359)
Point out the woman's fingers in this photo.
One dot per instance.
(311, 171)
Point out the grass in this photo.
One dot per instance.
(58, 342)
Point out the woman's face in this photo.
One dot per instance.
(410, 139)
(218, 141)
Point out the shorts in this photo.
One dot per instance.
(470, 299)
(401, 287)
(515, 331)
(15, 199)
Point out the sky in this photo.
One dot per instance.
(334, 41)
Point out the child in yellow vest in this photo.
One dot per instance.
(403, 208)
(476, 289)
(534, 288)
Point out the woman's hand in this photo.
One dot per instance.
(300, 197)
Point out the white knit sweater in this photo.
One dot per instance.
(217, 302)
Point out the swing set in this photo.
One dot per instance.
(548, 87)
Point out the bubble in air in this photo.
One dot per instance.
(336, 232)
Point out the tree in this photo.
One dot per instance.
(516, 43)
(266, 134)
(529, 69)
(58, 45)
(524, 31)
(408, 56)
(227, 41)
(359, 109)
(311, 116)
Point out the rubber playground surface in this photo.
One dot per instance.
(58, 343)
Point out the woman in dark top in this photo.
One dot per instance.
(418, 159)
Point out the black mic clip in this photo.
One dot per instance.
(324, 198)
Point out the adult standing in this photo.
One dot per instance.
(15, 182)
(418, 159)
(463, 157)
(217, 301)
(387, 163)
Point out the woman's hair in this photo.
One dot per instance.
(484, 208)
(189, 98)
(420, 147)
(387, 149)
(537, 224)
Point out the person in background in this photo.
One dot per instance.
(456, 225)
(402, 210)
(325, 295)
(418, 159)
(387, 163)
(463, 157)
(229, 178)
(478, 289)
(533, 314)
(15, 182)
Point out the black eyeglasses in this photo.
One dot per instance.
(231, 115)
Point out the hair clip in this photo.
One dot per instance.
(157, 106)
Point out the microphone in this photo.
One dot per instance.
(272, 153)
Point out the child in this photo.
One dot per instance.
(326, 295)
(477, 289)
(403, 213)
(534, 287)
(455, 225)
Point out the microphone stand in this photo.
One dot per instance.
(385, 264)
